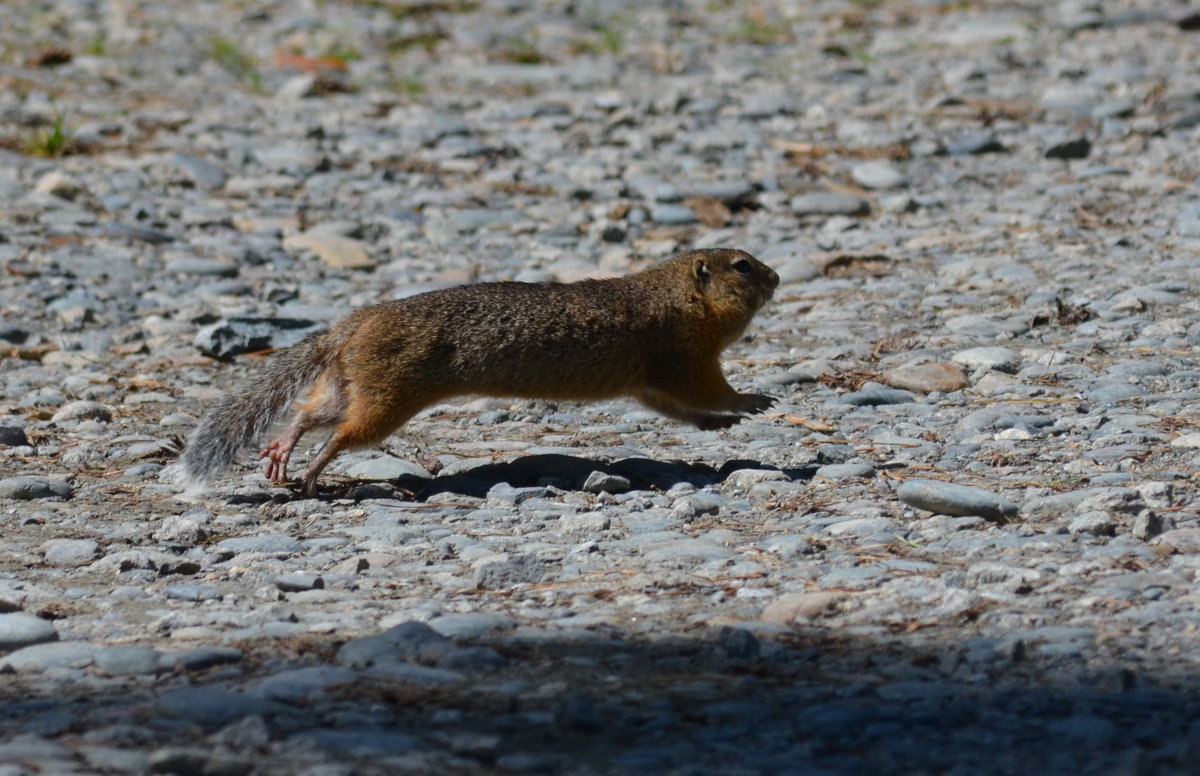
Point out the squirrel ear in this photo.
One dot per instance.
(700, 270)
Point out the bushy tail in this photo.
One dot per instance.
(239, 420)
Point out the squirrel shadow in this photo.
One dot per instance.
(566, 472)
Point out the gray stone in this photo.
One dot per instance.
(300, 683)
(845, 471)
(19, 630)
(996, 358)
(82, 410)
(213, 707)
(235, 336)
(945, 498)
(192, 592)
(269, 543)
(70, 552)
(1094, 524)
(386, 468)
(471, 625)
(829, 203)
(672, 214)
(975, 143)
(51, 656)
(600, 482)
(27, 488)
(409, 641)
(128, 660)
(509, 571)
(203, 173)
(296, 581)
(877, 175)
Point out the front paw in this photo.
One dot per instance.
(756, 403)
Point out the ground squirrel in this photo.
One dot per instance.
(655, 336)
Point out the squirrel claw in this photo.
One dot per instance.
(756, 403)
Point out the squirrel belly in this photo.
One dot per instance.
(654, 336)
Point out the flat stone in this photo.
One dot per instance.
(203, 173)
(296, 581)
(50, 656)
(70, 552)
(975, 143)
(926, 378)
(271, 543)
(997, 358)
(387, 468)
(82, 410)
(472, 625)
(128, 660)
(509, 571)
(945, 498)
(799, 607)
(829, 203)
(18, 630)
(877, 175)
(333, 250)
(29, 487)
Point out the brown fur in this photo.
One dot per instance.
(655, 336)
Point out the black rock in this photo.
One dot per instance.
(1078, 148)
(234, 336)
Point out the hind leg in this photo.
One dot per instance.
(363, 427)
(326, 407)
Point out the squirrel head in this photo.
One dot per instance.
(731, 281)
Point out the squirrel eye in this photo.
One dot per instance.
(743, 266)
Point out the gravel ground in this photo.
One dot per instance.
(966, 541)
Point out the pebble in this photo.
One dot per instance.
(333, 250)
(602, 482)
(406, 642)
(19, 630)
(877, 175)
(829, 203)
(997, 358)
(975, 143)
(508, 571)
(26, 488)
(82, 410)
(59, 184)
(70, 552)
(128, 660)
(200, 171)
(945, 498)
(1077, 148)
(926, 378)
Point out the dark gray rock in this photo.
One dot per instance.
(27, 488)
(235, 336)
(410, 641)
